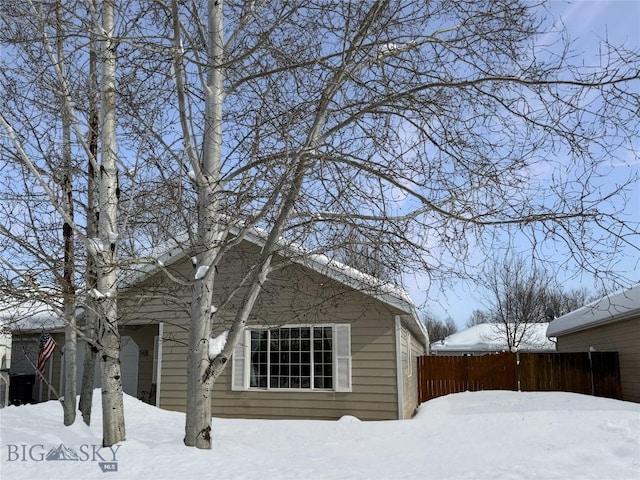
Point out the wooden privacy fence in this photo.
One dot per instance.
(595, 373)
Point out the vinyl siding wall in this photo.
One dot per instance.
(623, 337)
(143, 336)
(373, 374)
(412, 347)
(292, 295)
(24, 354)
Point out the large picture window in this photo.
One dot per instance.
(315, 357)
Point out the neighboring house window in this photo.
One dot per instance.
(315, 357)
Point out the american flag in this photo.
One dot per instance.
(47, 346)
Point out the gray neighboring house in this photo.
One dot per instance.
(609, 324)
(489, 338)
(5, 364)
(324, 340)
(23, 322)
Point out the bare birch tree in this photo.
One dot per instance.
(52, 65)
(104, 248)
(433, 128)
(92, 218)
(68, 280)
(423, 122)
(27, 201)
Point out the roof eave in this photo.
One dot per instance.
(593, 324)
(389, 294)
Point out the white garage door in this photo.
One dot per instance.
(129, 356)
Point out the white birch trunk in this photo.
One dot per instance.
(70, 344)
(68, 289)
(210, 231)
(93, 199)
(201, 371)
(109, 336)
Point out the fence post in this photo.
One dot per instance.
(518, 369)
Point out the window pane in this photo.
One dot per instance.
(258, 356)
(300, 357)
(323, 357)
(289, 359)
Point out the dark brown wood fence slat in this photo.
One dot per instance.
(594, 373)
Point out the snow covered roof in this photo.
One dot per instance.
(28, 315)
(391, 294)
(611, 308)
(491, 337)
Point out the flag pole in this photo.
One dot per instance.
(50, 378)
(47, 382)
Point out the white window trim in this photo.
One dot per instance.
(399, 375)
(244, 350)
(158, 355)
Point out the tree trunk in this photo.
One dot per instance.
(68, 289)
(210, 232)
(109, 338)
(90, 317)
(70, 366)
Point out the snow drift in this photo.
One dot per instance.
(481, 435)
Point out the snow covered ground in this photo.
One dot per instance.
(484, 435)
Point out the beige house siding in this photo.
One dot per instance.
(623, 337)
(411, 349)
(373, 394)
(292, 295)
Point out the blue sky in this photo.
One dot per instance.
(587, 23)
